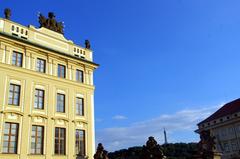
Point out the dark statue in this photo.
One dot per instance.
(50, 23)
(101, 153)
(206, 145)
(7, 13)
(87, 44)
(152, 150)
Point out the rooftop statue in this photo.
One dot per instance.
(7, 13)
(50, 23)
(206, 145)
(87, 44)
(152, 150)
(101, 153)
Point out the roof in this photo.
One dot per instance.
(229, 108)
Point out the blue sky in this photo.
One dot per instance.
(163, 63)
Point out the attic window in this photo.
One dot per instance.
(221, 119)
(13, 28)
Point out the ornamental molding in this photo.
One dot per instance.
(12, 112)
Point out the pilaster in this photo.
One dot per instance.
(8, 55)
(2, 53)
(27, 59)
(33, 61)
(50, 65)
(54, 71)
(26, 122)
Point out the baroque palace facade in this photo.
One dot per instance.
(224, 125)
(46, 93)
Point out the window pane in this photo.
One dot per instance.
(10, 138)
(80, 142)
(14, 94)
(39, 99)
(79, 76)
(14, 60)
(17, 59)
(60, 140)
(79, 106)
(37, 140)
(5, 143)
(60, 103)
(61, 71)
(41, 64)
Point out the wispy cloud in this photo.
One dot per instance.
(136, 133)
(119, 117)
(98, 120)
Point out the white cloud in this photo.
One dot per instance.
(119, 117)
(136, 134)
(98, 120)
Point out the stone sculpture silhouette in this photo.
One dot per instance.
(152, 150)
(50, 23)
(206, 145)
(101, 153)
(7, 13)
(87, 44)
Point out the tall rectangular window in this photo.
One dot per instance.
(37, 139)
(60, 141)
(61, 71)
(41, 65)
(14, 94)
(10, 138)
(17, 59)
(79, 106)
(79, 76)
(39, 99)
(60, 103)
(80, 142)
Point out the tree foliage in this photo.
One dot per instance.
(172, 151)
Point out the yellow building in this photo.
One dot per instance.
(46, 93)
(224, 125)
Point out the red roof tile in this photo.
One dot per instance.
(227, 109)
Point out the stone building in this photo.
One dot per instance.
(224, 124)
(46, 92)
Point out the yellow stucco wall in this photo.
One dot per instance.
(49, 46)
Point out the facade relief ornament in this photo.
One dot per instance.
(50, 23)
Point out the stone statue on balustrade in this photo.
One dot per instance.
(87, 44)
(152, 150)
(207, 146)
(51, 23)
(101, 153)
(7, 13)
